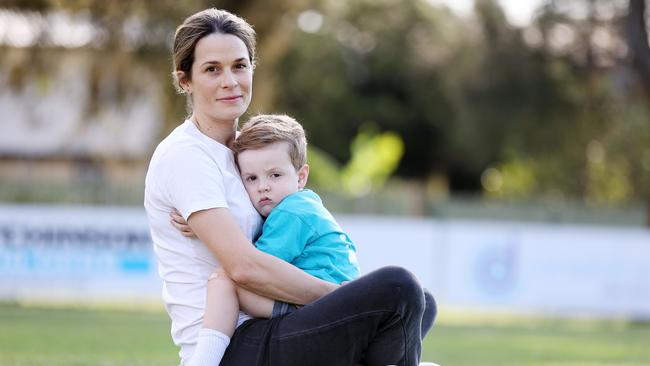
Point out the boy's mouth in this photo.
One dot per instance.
(264, 201)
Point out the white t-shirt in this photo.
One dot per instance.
(191, 172)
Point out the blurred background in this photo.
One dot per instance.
(498, 148)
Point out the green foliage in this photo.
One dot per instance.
(514, 179)
(540, 105)
(375, 62)
(608, 180)
(491, 107)
(324, 172)
(374, 158)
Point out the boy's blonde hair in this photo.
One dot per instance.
(265, 129)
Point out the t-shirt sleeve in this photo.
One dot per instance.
(284, 235)
(194, 180)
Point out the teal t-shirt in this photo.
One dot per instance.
(301, 231)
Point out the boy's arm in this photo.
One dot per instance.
(255, 305)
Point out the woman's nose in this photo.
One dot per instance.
(228, 79)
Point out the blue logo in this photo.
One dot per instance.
(495, 269)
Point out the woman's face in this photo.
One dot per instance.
(222, 78)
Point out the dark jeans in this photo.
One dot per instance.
(378, 319)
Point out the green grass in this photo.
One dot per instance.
(102, 336)
(462, 340)
(71, 337)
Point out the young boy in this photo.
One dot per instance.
(271, 152)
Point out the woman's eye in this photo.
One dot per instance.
(241, 66)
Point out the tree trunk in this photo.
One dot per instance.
(637, 41)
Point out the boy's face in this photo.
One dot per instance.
(269, 176)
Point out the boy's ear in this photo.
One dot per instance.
(303, 174)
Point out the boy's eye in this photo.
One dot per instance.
(211, 69)
(251, 178)
(275, 175)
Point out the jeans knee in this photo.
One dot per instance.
(430, 304)
(405, 286)
(430, 312)
(401, 278)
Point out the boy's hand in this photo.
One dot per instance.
(180, 224)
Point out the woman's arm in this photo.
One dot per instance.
(250, 268)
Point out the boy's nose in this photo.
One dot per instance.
(264, 187)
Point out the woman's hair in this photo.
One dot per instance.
(202, 24)
(266, 129)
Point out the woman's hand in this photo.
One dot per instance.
(180, 224)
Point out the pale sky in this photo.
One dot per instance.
(519, 12)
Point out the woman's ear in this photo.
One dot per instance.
(303, 174)
(183, 81)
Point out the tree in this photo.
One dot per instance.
(637, 40)
(378, 63)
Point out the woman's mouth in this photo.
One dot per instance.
(230, 99)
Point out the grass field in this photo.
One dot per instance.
(68, 336)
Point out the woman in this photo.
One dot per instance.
(378, 319)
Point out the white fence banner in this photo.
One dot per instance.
(72, 253)
(76, 253)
